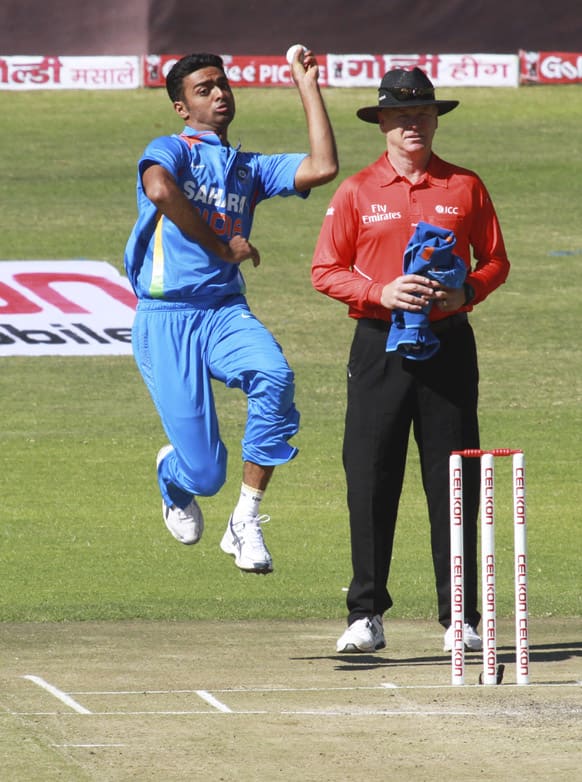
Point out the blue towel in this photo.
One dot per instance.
(429, 253)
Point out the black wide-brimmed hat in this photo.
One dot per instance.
(401, 88)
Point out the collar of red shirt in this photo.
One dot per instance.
(435, 172)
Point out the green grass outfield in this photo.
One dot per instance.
(81, 533)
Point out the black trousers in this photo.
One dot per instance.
(387, 395)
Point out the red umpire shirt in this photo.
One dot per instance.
(374, 213)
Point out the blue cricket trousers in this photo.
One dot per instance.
(179, 350)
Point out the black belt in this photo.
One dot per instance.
(437, 326)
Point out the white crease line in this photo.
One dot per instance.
(274, 690)
(394, 713)
(62, 696)
(231, 690)
(236, 690)
(192, 712)
(206, 696)
(88, 746)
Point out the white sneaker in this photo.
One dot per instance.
(471, 638)
(185, 524)
(363, 635)
(244, 540)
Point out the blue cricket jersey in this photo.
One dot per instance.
(224, 185)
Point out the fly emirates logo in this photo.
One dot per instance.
(379, 213)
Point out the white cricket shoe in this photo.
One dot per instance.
(185, 524)
(363, 635)
(244, 541)
(471, 638)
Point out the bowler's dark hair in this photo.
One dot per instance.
(187, 65)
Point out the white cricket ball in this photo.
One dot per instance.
(291, 51)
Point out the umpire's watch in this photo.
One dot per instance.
(469, 293)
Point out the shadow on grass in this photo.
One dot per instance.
(546, 653)
(363, 661)
(506, 654)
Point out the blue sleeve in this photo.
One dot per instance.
(278, 174)
(167, 151)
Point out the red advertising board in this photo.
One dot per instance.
(242, 71)
(550, 67)
(156, 67)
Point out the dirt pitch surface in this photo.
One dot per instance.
(256, 701)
